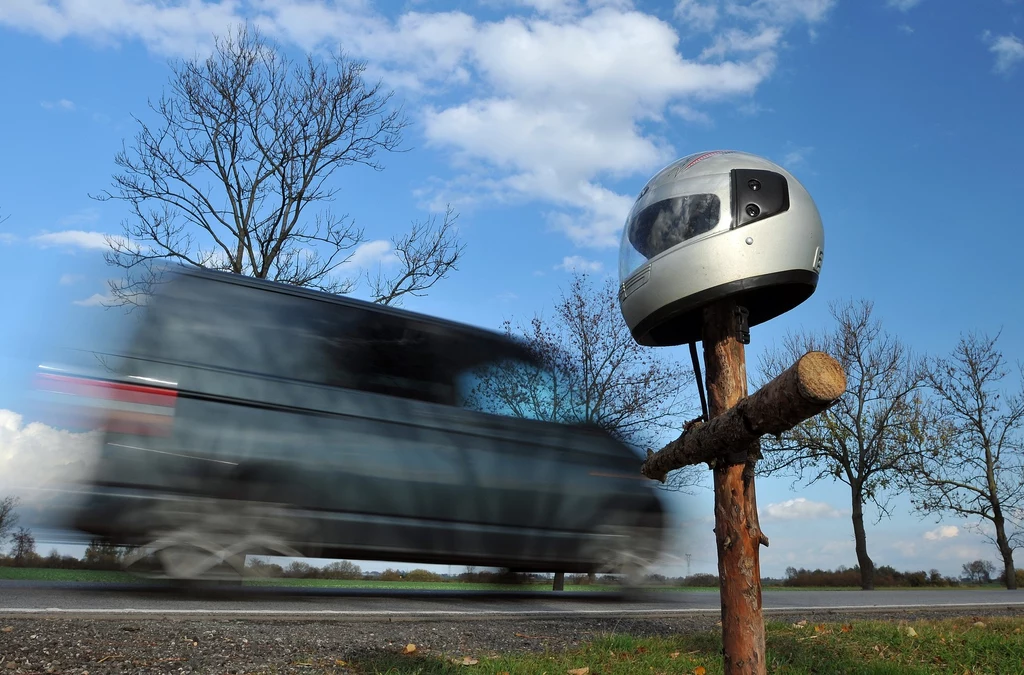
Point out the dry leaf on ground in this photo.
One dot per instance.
(979, 624)
(674, 655)
(579, 671)
(699, 670)
(409, 648)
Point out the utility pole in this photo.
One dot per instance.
(688, 564)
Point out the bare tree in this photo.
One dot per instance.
(973, 465)
(237, 175)
(979, 571)
(593, 373)
(8, 516)
(868, 437)
(23, 547)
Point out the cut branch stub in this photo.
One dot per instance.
(806, 388)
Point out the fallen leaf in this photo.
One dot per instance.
(641, 650)
(910, 632)
(847, 627)
(800, 624)
(504, 672)
(339, 662)
(579, 671)
(820, 628)
(674, 655)
(409, 648)
(699, 670)
(468, 661)
(979, 624)
(6, 629)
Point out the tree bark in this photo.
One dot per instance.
(867, 567)
(808, 387)
(558, 584)
(1006, 551)
(737, 530)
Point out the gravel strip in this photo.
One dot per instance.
(166, 645)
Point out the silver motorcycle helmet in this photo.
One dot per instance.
(710, 226)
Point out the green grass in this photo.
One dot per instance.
(859, 648)
(42, 574)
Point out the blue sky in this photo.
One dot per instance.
(901, 117)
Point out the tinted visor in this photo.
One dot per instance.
(671, 214)
(664, 224)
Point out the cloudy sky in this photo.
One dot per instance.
(540, 120)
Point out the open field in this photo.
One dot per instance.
(62, 575)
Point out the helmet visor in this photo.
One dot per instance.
(673, 213)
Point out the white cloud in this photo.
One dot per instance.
(371, 253)
(796, 156)
(96, 300)
(7, 238)
(70, 279)
(903, 5)
(942, 532)
(62, 104)
(545, 107)
(579, 264)
(800, 508)
(1008, 49)
(736, 41)
(781, 11)
(35, 458)
(73, 239)
(175, 27)
(697, 15)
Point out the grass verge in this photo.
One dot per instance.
(961, 646)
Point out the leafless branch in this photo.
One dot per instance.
(240, 167)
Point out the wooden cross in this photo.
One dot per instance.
(729, 443)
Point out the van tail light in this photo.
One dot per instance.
(108, 405)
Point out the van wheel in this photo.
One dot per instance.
(627, 548)
(207, 540)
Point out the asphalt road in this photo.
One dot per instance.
(38, 599)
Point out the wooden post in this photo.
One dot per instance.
(558, 584)
(729, 443)
(737, 531)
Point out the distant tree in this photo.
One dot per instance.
(973, 465)
(23, 548)
(244, 150)
(866, 440)
(592, 372)
(102, 555)
(342, 569)
(301, 570)
(978, 572)
(8, 516)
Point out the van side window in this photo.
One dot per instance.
(515, 388)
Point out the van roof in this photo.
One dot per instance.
(504, 345)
